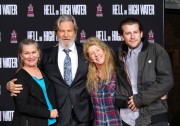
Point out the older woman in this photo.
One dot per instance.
(34, 106)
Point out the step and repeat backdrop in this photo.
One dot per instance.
(35, 19)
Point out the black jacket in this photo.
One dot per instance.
(30, 105)
(155, 79)
(70, 98)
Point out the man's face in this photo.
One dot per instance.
(131, 35)
(66, 34)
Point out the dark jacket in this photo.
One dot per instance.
(155, 79)
(123, 88)
(74, 98)
(30, 105)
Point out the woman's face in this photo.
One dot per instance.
(96, 55)
(30, 55)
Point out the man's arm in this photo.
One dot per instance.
(163, 81)
(13, 88)
(132, 106)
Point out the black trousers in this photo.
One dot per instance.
(75, 122)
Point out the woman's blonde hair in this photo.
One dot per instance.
(109, 65)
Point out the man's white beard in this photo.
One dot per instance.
(66, 46)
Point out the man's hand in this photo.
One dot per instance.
(14, 88)
(131, 104)
(164, 97)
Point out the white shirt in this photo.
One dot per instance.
(74, 59)
(131, 62)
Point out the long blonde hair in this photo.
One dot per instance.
(109, 65)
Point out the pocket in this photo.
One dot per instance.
(112, 91)
(158, 107)
(145, 85)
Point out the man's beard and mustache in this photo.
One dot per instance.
(67, 46)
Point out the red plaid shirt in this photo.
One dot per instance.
(103, 103)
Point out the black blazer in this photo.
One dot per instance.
(30, 105)
(75, 96)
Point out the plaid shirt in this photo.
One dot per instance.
(103, 103)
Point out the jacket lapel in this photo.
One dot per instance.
(82, 65)
(36, 90)
(55, 61)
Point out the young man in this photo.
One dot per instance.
(149, 72)
(74, 104)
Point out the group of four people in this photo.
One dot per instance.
(43, 97)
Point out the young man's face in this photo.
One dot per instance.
(131, 35)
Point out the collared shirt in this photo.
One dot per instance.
(103, 103)
(74, 59)
(131, 61)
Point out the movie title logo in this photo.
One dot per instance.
(104, 37)
(45, 36)
(8, 9)
(117, 9)
(151, 36)
(30, 12)
(9, 62)
(65, 9)
(6, 116)
(13, 37)
(82, 36)
(99, 12)
(133, 9)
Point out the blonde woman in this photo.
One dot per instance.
(101, 82)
